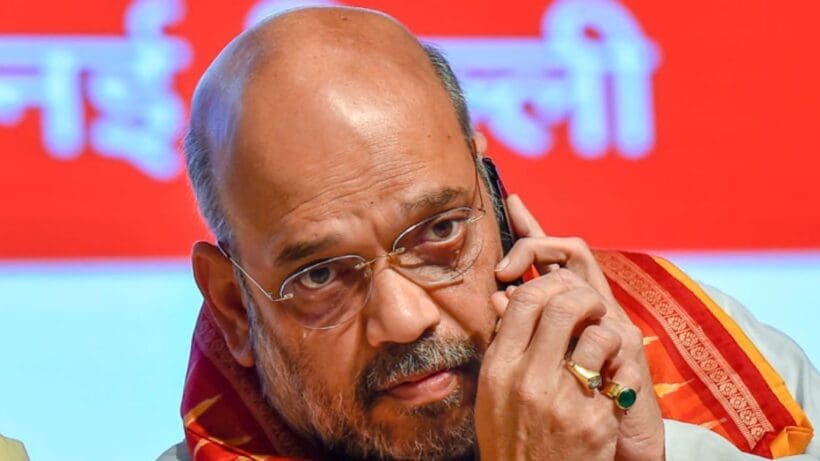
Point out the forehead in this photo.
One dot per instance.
(309, 150)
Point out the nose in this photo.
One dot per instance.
(399, 311)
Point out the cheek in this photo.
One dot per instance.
(332, 357)
(320, 359)
(468, 303)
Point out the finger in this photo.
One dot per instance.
(596, 345)
(632, 347)
(563, 315)
(630, 370)
(629, 375)
(523, 311)
(544, 252)
(628, 366)
(499, 301)
(526, 252)
(523, 222)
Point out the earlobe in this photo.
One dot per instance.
(223, 297)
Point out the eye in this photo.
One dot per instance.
(442, 230)
(317, 277)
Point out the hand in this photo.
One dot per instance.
(528, 406)
(609, 342)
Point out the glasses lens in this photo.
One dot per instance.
(442, 248)
(328, 293)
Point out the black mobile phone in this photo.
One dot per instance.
(505, 229)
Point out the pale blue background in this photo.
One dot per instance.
(93, 355)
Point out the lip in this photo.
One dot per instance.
(424, 388)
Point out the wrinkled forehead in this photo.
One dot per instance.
(348, 141)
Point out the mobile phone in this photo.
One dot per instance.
(499, 194)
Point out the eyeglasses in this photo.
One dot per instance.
(434, 252)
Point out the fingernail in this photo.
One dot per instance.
(502, 264)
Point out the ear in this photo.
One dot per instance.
(480, 143)
(215, 278)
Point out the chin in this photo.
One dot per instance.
(429, 433)
(438, 430)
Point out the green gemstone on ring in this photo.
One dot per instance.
(626, 398)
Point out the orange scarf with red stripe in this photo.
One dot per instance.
(706, 372)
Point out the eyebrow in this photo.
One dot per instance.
(426, 202)
(436, 199)
(300, 250)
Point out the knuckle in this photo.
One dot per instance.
(632, 336)
(630, 376)
(563, 274)
(526, 245)
(559, 311)
(527, 394)
(564, 277)
(562, 413)
(594, 300)
(526, 241)
(526, 296)
(590, 429)
(598, 428)
(578, 244)
(603, 338)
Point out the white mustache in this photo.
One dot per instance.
(397, 362)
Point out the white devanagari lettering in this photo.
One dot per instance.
(128, 81)
(593, 70)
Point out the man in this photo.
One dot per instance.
(355, 303)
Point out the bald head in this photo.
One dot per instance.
(295, 67)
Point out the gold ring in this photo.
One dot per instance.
(624, 397)
(590, 379)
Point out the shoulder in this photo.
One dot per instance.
(780, 350)
(783, 354)
(178, 452)
(12, 450)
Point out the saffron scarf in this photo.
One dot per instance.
(704, 369)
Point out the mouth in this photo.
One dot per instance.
(424, 387)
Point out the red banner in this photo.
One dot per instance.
(702, 132)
